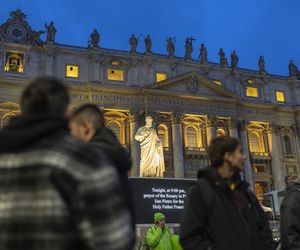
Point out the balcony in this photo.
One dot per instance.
(260, 156)
(290, 157)
(195, 152)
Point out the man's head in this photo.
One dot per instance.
(85, 121)
(226, 151)
(159, 219)
(148, 121)
(45, 95)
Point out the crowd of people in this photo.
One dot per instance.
(64, 185)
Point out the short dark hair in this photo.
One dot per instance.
(219, 146)
(90, 112)
(45, 95)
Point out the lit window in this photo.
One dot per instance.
(254, 143)
(251, 91)
(115, 74)
(260, 189)
(218, 83)
(72, 71)
(161, 77)
(115, 128)
(280, 97)
(191, 137)
(162, 133)
(14, 62)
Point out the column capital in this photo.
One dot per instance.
(211, 121)
(273, 128)
(176, 117)
(233, 123)
(133, 116)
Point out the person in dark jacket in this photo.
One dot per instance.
(87, 124)
(221, 213)
(290, 217)
(56, 192)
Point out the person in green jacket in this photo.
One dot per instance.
(158, 236)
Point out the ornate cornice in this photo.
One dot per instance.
(176, 118)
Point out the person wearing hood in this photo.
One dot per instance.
(221, 213)
(290, 217)
(56, 192)
(158, 236)
(87, 124)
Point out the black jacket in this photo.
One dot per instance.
(290, 217)
(106, 141)
(218, 218)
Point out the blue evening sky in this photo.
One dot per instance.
(253, 28)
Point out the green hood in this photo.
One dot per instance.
(158, 217)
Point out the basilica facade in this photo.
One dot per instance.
(191, 101)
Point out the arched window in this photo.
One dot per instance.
(220, 132)
(191, 137)
(254, 142)
(116, 128)
(288, 145)
(162, 133)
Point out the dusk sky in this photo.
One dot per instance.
(252, 28)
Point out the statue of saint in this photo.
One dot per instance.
(51, 31)
(203, 54)
(188, 48)
(293, 70)
(148, 44)
(261, 64)
(234, 60)
(170, 47)
(133, 41)
(95, 39)
(152, 158)
(223, 59)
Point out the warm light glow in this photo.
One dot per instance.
(115, 74)
(260, 189)
(256, 143)
(250, 81)
(280, 96)
(220, 132)
(162, 133)
(251, 91)
(161, 77)
(218, 83)
(72, 71)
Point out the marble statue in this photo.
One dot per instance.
(261, 64)
(293, 70)
(203, 54)
(152, 158)
(188, 48)
(234, 60)
(95, 39)
(170, 47)
(51, 31)
(223, 59)
(148, 44)
(133, 41)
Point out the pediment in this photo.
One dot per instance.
(193, 83)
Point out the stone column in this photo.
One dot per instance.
(276, 157)
(134, 145)
(297, 145)
(247, 164)
(210, 128)
(178, 157)
(233, 128)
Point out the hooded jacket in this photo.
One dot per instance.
(56, 193)
(290, 217)
(159, 238)
(219, 218)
